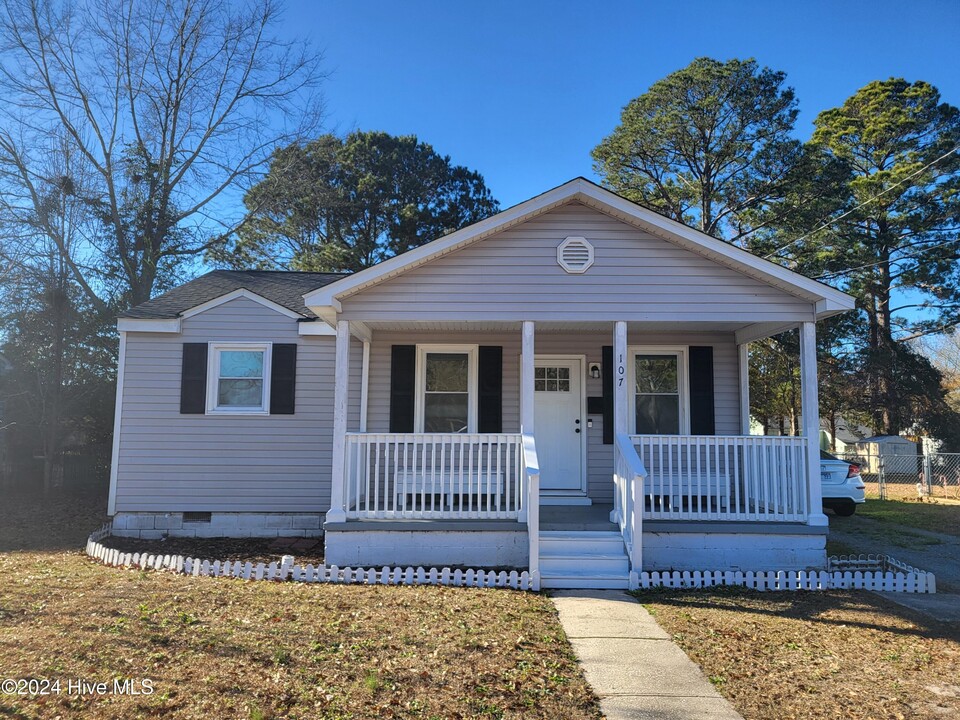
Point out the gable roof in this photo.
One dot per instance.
(325, 301)
(284, 288)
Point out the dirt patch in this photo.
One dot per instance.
(214, 647)
(808, 656)
(254, 550)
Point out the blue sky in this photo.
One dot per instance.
(522, 91)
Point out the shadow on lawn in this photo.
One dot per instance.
(810, 606)
(60, 521)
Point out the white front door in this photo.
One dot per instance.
(558, 423)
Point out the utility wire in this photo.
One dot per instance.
(865, 202)
(912, 256)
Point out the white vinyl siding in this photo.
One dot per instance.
(256, 463)
(514, 275)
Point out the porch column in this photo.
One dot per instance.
(810, 407)
(743, 350)
(620, 390)
(526, 379)
(365, 386)
(529, 510)
(337, 512)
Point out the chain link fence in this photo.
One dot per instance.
(908, 477)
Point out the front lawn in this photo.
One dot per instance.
(815, 655)
(217, 648)
(938, 515)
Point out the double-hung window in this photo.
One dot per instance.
(239, 378)
(660, 396)
(446, 389)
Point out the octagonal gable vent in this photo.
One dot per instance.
(575, 255)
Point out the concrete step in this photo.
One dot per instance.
(610, 582)
(583, 559)
(580, 543)
(584, 565)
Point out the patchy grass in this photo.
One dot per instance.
(938, 515)
(214, 647)
(808, 656)
(226, 648)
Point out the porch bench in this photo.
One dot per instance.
(453, 488)
(671, 490)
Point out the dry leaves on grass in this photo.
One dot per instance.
(227, 648)
(809, 656)
(59, 521)
(253, 550)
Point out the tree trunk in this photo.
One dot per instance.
(52, 442)
(887, 415)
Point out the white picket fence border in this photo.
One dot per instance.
(305, 573)
(845, 572)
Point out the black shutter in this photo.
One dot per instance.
(283, 379)
(608, 371)
(403, 368)
(490, 377)
(193, 379)
(702, 418)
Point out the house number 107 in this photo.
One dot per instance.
(621, 370)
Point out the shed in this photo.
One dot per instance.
(899, 454)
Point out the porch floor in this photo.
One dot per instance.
(577, 517)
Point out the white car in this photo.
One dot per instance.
(841, 484)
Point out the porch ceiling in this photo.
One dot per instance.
(565, 327)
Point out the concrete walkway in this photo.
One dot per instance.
(632, 664)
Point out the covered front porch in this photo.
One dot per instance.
(464, 484)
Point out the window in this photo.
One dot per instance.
(446, 389)
(551, 379)
(239, 378)
(659, 382)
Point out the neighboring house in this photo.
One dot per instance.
(562, 386)
(848, 435)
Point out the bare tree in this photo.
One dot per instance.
(174, 105)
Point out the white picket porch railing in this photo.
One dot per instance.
(628, 478)
(448, 476)
(746, 477)
(531, 505)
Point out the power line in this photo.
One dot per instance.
(913, 256)
(865, 202)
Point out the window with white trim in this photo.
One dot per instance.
(238, 378)
(446, 389)
(660, 395)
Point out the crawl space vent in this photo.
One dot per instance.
(575, 255)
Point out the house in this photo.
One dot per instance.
(847, 435)
(561, 387)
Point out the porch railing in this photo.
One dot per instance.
(747, 477)
(629, 474)
(433, 476)
(531, 500)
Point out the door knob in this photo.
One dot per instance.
(577, 430)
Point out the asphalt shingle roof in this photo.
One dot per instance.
(285, 288)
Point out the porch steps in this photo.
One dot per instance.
(583, 559)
